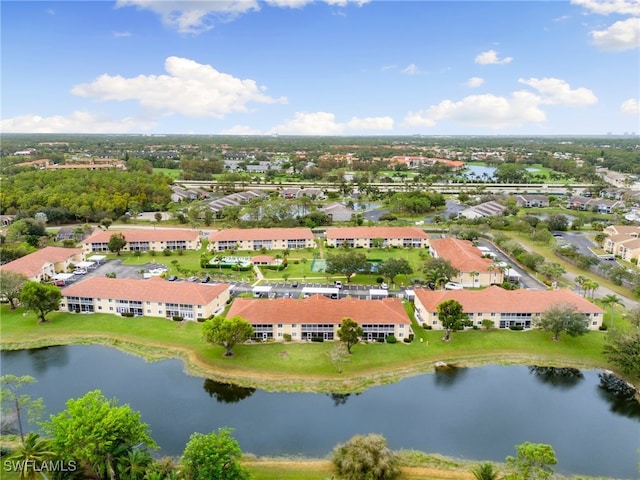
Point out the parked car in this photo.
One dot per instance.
(453, 286)
(172, 278)
(80, 271)
(206, 279)
(59, 283)
(337, 284)
(193, 278)
(294, 285)
(384, 286)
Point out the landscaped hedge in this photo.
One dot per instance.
(127, 314)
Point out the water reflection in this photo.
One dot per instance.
(619, 395)
(226, 392)
(340, 398)
(561, 377)
(44, 358)
(447, 375)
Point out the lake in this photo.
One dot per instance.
(476, 413)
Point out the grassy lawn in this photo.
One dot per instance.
(170, 172)
(299, 366)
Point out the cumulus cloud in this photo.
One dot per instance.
(474, 82)
(324, 123)
(190, 88)
(490, 57)
(607, 7)
(554, 91)
(489, 111)
(193, 17)
(622, 35)
(77, 122)
(240, 130)
(630, 107)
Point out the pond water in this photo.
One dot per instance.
(477, 413)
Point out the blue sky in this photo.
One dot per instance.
(338, 67)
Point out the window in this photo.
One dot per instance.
(279, 325)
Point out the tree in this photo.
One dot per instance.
(339, 355)
(30, 456)
(106, 222)
(349, 333)
(563, 317)
(11, 284)
(97, 432)
(347, 263)
(553, 271)
(116, 243)
(227, 332)
(532, 462)
(452, 317)
(214, 456)
(393, 267)
(623, 350)
(366, 457)
(558, 222)
(611, 301)
(13, 403)
(439, 271)
(40, 298)
(485, 471)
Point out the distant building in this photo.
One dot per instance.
(43, 264)
(475, 270)
(505, 308)
(145, 240)
(338, 212)
(366, 237)
(259, 238)
(487, 209)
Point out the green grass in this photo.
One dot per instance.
(299, 366)
(171, 172)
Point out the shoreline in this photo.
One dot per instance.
(338, 383)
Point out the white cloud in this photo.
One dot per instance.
(193, 16)
(121, 34)
(50, 11)
(240, 130)
(191, 89)
(474, 82)
(630, 107)
(488, 111)
(324, 123)
(490, 57)
(410, 69)
(606, 7)
(555, 91)
(370, 123)
(622, 35)
(197, 16)
(77, 122)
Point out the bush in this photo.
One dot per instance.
(317, 339)
(177, 318)
(366, 457)
(166, 252)
(602, 328)
(516, 327)
(127, 314)
(391, 339)
(287, 337)
(408, 340)
(380, 339)
(426, 326)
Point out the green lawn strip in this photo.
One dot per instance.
(303, 366)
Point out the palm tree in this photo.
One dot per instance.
(581, 281)
(473, 274)
(485, 471)
(31, 454)
(591, 286)
(612, 300)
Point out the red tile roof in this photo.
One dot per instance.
(319, 309)
(160, 235)
(151, 290)
(31, 265)
(461, 254)
(239, 234)
(497, 300)
(376, 232)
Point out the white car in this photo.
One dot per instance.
(337, 284)
(79, 271)
(384, 286)
(453, 286)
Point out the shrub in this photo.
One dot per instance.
(366, 457)
(516, 327)
(407, 340)
(127, 314)
(177, 318)
(317, 339)
(379, 280)
(602, 327)
(380, 339)
(166, 252)
(391, 339)
(287, 337)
